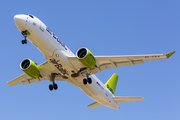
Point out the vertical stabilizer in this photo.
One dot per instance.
(112, 82)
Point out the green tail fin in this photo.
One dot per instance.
(112, 82)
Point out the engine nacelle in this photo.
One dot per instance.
(86, 58)
(30, 68)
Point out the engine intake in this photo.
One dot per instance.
(86, 58)
(25, 64)
(30, 68)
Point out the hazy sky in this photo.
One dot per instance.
(119, 27)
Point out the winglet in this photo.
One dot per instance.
(170, 54)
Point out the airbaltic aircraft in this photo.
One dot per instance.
(77, 69)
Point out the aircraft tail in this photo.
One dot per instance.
(111, 85)
(112, 82)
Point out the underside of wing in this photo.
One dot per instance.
(106, 62)
(45, 71)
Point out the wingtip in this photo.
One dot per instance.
(170, 54)
(143, 98)
(8, 83)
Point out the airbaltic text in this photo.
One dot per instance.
(56, 38)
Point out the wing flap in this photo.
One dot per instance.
(110, 65)
(127, 99)
(17, 80)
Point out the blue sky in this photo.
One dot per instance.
(120, 27)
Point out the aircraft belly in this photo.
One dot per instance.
(63, 67)
(95, 91)
(42, 41)
(54, 54)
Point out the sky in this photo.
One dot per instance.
(118, 27)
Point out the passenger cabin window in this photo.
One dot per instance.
(31, 16)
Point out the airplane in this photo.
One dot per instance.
(79, 69)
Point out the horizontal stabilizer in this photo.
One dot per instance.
(127, 99)
(95, 104)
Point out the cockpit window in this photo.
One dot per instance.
(31, 16)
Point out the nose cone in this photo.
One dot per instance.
(20, 20)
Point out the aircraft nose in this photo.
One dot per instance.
(20, 20)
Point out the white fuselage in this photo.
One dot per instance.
(56, 53)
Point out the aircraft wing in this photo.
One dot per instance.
(45, 71)
(106, 62)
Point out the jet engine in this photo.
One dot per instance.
(30, 68)
(86, 58)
